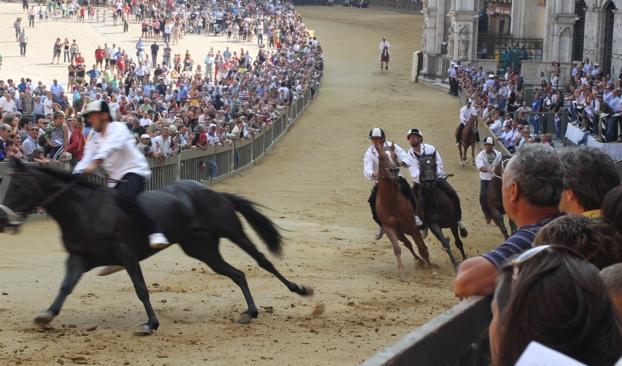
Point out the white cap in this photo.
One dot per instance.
(489, 141)
(144, 136)
(96, 106)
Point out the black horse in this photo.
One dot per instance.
(494, 199)
(97, 232)
(439, 211)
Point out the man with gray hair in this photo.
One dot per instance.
(532, 187)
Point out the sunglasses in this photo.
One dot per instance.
(535, 251)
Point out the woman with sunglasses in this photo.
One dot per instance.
(551, 295)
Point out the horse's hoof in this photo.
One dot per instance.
(144, 330)
(307, 291)
(403, 277)
(244, 318)
(44, 318)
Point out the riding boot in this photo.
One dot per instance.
(379, 233)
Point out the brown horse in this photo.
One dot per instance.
(384, 59)
(467, 140)
(395, 211)
(494, 199)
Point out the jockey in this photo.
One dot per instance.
(370, 167)
(486, 162)
(384, 47)
(466, 113)
(418, 150)
(114, 149)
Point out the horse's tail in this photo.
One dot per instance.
(264, 227)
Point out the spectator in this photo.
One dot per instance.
(59, 136)
(31, 143)
(612, 276)
(552, 296)
(589, 174)
(532, 185)
(145, 145)
(163, 144)
(76, 140)
(594, 239)
(5, 131)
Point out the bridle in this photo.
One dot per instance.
(503, 163)
(17, 219)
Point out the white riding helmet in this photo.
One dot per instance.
(376, 132)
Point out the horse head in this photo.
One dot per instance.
(427, 167)
(387, 163)
(24, 188)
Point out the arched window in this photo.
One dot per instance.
(579, 30)
(608, 40)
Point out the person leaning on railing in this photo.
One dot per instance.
(532, 187)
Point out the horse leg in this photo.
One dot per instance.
(75, 267)
(473, 154)
(132, 266)
(398, 254)
(458, 241)
(210, 255)
(244, 242)
(498, 219)
(423, 249)
(460, 153)
(438, 233)
(408, 245)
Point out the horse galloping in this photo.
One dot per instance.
(384, 59)
(467, 139)
(395, 211)
(439, 210)
(96, 231)
(494, 199)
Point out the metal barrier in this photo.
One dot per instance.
(457, 337)
(217, 163)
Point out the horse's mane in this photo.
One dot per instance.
(67, 178)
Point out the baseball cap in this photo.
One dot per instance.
(144, 136)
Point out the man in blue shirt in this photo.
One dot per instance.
(532, 188)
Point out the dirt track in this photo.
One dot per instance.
(313, 182)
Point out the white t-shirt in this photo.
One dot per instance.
(145, 122)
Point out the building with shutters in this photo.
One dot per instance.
(525, 34)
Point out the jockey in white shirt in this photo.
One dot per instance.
(383, 47)
(114, 149)
(466, 113)
(370, 167)
(419, 150)
(486, 161)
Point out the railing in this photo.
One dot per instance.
(218, 163)
(400, 5)
(457, 337)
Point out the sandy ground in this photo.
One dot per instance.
(313, 183)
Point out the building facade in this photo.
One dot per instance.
(497, 34)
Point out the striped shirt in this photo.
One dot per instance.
(517, 243)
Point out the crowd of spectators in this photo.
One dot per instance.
(173, 104)
(567, 205)
(518, 116)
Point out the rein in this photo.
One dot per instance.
(54, 196)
